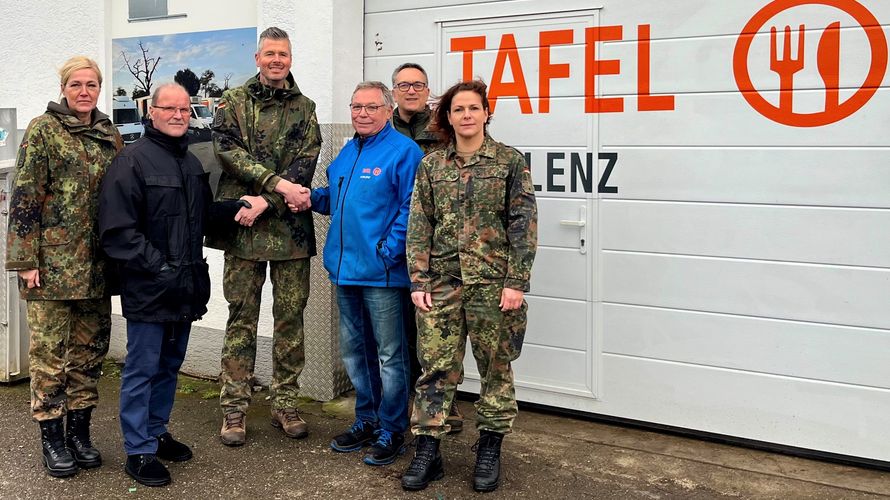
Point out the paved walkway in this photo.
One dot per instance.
(548, 457)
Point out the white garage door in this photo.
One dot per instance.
(734, 276)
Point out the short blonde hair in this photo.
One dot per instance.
(78, 63)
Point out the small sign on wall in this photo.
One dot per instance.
(8, 134)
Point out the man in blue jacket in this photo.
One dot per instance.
(368, 197)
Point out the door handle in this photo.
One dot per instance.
(575, 223)
(580, 224)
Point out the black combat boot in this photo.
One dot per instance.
(426, 465)
(488, 461)
(56, 457)
(78, 439)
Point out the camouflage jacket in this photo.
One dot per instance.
(418, 128)
(261, 135)
(477, 222)
(55, 201)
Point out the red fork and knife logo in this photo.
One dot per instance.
(828, 61)
(785, 61)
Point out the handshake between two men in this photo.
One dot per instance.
(296, 196)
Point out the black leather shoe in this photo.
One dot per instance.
(56, 457)
(487, 472)
(172, 450)
(146, 469)
(77, 438)
(426, 466)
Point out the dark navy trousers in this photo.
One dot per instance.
(155, 352)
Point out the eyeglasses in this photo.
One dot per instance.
(173, 109)
(404, 86)
(370, 108)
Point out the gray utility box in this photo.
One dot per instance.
(13, 320)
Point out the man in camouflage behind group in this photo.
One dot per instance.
(412, 117)
(411, 91)
(267, 140)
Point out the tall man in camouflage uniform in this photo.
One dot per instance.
(412, 117)
(267, 139)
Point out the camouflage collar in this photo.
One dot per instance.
(422, 116)
(420, 120)
(488, 149)
(263, 92)
(100, 126)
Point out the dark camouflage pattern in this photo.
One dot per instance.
(261, 135)
(475, 221)
(418, 129)
(69, 341)
(242, 287)
(460, 312)
(472, 232)
(55, 201)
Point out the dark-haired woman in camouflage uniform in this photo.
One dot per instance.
(472, 237)
(53, 245)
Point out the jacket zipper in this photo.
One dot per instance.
(183, 176)
(339, 184)
(361, 142)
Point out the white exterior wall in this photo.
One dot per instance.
(327, 49)
(36, 38)
(737, 283)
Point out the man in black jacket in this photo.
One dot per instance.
(153, 207)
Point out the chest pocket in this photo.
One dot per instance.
(489, 188)
(70, 175)
(67, 189)
(163, 196)
(445, 186)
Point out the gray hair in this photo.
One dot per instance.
(163, 86)
(373, 84)
(272, 33)
(409, 65)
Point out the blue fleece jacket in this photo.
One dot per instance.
(368, 198)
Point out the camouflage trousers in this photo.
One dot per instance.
(242, 286)
(69, 341)
(460, 312)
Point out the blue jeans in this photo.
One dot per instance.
(155, 352)
(375, 353)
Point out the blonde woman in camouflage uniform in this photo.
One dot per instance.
(472, 237)
(53, 244)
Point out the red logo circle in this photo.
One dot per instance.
(785, 66)
(377, 171)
